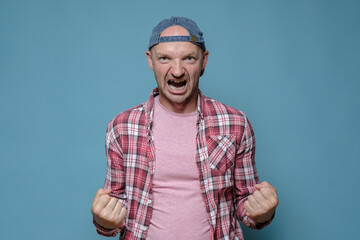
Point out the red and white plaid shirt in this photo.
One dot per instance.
(225, 159)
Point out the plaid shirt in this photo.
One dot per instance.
(225, 159)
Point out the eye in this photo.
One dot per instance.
(190, 59)
(163, 59)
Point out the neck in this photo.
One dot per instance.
(184, 107)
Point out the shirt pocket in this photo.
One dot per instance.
(221, 151)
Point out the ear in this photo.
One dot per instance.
(204, 60)
(150, 62)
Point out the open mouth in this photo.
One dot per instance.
(177, 85)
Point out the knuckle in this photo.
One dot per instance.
(119, 204)
(266, 208)
(104, 215)
(275, 202)
(258, 193)
(104, 197)
(95, 210)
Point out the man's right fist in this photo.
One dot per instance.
(108, 212)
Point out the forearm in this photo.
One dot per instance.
(110, 206)
(245, 175)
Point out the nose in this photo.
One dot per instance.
(177, 69)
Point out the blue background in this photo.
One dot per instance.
(67, 67)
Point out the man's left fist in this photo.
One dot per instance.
(261, 205)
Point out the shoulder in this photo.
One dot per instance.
(132, 115)
(221, 119)
(214, 108)
(129, 121)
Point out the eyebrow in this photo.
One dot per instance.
(161, 54)
(192, 53)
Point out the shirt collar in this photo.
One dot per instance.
(149, 107)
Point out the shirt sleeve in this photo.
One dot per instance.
(115, 177)
(246, 175)
(104, 231)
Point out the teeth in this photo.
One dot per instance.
(177, 88)
(177, 85)
(177, 82)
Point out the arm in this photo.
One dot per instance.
(109, 205)
(247, 184)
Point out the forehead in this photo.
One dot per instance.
(176, 48)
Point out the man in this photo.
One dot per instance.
(181, 165)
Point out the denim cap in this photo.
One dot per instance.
(194, 32)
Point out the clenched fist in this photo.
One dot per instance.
(108, 212)
(261, 205)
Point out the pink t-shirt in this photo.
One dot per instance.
(178, 207)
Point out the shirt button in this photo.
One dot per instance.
(219, 137)
(143, 228)
(149, 202)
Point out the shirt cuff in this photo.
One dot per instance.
(104, 231)
(264, 224)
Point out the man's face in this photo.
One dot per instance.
(177, 67)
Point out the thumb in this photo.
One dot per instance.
(260, 185)
(107, 191)
(102, 191)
